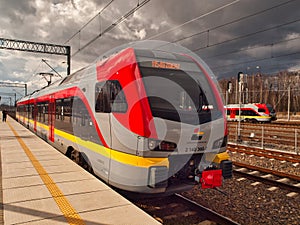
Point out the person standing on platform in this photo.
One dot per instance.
(4, 115)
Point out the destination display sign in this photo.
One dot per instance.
(165, 65)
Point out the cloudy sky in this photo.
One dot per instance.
(229, 35)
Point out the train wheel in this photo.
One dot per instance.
(88, 168)
(85, 163)
(75, 156)
(80, 159)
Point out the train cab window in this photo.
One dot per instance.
(261, 110)
(109, 97)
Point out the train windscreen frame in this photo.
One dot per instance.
(192, 97)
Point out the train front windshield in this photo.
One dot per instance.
(178, 95)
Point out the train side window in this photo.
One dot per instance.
(63, 114)
(58, 109)
(261, 110)
(244, 112)
(42, 112)
(101, 98)
(109, 97)
(45, 113)
(117, 99)
(30, 111)
(248, 113)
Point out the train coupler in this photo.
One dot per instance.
(210, 178)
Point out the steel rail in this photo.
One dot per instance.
(272, 182)
(212, 215)
(271, 154)
(268, 171)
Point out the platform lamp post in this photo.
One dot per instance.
(241, 84)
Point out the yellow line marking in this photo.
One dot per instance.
(64, 205)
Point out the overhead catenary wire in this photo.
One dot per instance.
(34, 72)
(239, 37)
(248, 35)
(257, 60)
(113, 25)
(98, 14)
(121, 19)
(194, 19)
(254, 47)
(231, 22)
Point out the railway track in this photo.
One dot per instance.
(263, 173)
(267, 154)
(180, 210)
(277, 136)
(276, 124)
(271, 154)
(177, 209)
(268, 176)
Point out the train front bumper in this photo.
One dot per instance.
(221, 168)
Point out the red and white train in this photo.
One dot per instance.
(252, 112)
(145, 119)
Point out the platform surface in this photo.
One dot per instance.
(42, 186)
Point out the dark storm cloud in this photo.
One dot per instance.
(226, 46)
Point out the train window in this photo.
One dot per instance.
(30, 111)
(45, 113)
(42, 112)
(101, 98)
(63, 114)
(117, 98)
(67, 110)
(187, 97)
(109, 97)
(83, 125)
(58, 109)
(261, 110)
(185, 102)
(248, 113)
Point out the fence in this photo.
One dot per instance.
(266, 136)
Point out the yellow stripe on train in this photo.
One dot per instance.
(121, 157)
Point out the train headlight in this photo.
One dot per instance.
(159, 145)
(152, 144)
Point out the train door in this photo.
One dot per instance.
(51, 118)
(27, 116)
(35, 112)
(103, 116)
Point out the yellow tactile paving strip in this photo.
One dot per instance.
(66, 208)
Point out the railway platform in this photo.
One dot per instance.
(39, 185)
